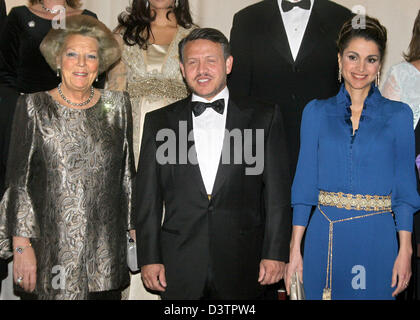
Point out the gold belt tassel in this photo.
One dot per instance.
(326, 294)
(349, 202)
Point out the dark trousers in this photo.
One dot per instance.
(210, 291)
(3, 270)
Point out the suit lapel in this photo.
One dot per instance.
(275, 28)
(189, 171)
(315, 31)
(237, 118)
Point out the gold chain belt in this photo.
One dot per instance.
(155, 87)
(352, 202)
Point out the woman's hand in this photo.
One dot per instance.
(295, 257)
(401, 273)
(295, 265)
(24, 264)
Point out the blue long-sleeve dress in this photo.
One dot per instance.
(377, 160)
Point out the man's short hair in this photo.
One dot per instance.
(210, 34)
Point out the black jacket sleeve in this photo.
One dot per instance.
(277, 185)
(148, 199)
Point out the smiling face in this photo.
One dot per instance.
(360, 63)
(205, 68)
(79, 62)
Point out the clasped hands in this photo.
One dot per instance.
(153, 275)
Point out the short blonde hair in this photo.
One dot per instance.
(75, 4)
(53, 44)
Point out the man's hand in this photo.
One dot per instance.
(153, 276)
(271, 271)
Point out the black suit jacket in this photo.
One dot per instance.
(264, 66)
(246, 220)
(3, 14)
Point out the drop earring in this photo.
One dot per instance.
(378, 78)
(339, 75)
(147, 4)
(58, 71)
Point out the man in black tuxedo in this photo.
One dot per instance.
(226, 227)
(285, 52)
(3, 14)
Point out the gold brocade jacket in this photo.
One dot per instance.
(69, 189)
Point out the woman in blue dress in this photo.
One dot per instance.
(356, 176)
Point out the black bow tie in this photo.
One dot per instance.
(198, 107)
(287, 5)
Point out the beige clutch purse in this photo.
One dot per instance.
(296, 288)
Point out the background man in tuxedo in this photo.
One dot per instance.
(225, 234)
(285, 52)
(3, 14)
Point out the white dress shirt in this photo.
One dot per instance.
(209, 132)
(295, 22)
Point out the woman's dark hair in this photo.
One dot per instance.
(369, 29)
(210, 34)
(135, 22)
(75, 4)
(413, 53)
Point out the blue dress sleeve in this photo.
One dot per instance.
(305, 183)
(405, 198)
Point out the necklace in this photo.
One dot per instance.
(92, 92)
(50, 10)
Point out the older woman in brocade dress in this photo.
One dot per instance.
(67, 204)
